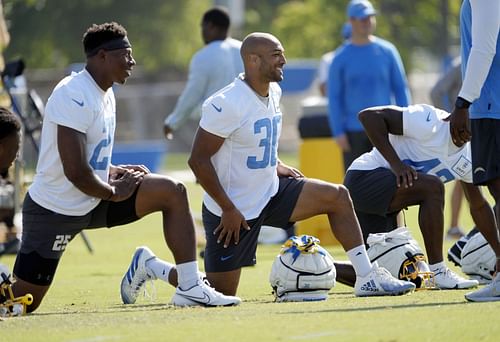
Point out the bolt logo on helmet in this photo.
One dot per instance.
(401, 255)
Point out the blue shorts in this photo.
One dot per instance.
(485, 148)
(372, 192)
(276, 213)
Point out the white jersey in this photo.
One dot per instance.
(426, 145)
(79, 103)
(247, 160)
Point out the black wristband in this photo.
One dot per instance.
(462, 103)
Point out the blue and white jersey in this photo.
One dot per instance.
(426, 145)
(480, 38)
(79, 103)
(247, 160)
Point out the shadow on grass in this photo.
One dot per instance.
(112, 309)
(374, 308)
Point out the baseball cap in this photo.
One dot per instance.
(360, 9)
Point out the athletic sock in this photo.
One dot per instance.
(160, 269)
(360, 261)
(436, 267)
(187, 274)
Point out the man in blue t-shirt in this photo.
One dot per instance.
(366, 71)
(479, 29)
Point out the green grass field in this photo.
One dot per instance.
(84, 303)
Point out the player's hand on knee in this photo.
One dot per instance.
(405, 175)
(229, 228)
(141, 168)
(125, 186)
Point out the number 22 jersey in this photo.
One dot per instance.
(79, 103)
(247, 160)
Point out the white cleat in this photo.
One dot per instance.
(380, 282)
(489, 293)
(446, 279)
(202, 294)
(136, 275)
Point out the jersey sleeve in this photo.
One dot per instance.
(219, 117)
(420, 121)
(68, 109)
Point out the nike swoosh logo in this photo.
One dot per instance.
(428, 117)
(219, 109)
(479, 169)
(80, 103)
(224, 258)
(204, 300)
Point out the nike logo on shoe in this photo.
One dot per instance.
(80, 103)
(428, 117)
(219, 109)
(203, 300)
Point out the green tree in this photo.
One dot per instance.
(309, 28)
(48, 33)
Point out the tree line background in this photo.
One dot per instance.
(166, 33)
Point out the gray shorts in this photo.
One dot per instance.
(371, 193)
(48, 233)
(276, 213)
(485, 147)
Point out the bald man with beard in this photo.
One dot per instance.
(235, 159)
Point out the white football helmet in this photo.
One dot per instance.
(303, 271)
(478, 259)
(401, 255)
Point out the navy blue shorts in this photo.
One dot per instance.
(372, 192)
(46, 235)
(485, 148)
(276, 213)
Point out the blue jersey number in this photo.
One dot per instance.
(269, 143)
(425, 166)
(94, 161)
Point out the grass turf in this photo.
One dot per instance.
(84, 303)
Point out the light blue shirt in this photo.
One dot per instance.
(487, 105)
(364, 76)
(211, 69)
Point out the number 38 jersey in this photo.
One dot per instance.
(247, 160)
(426, 145)
(79, 103)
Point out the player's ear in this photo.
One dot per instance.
(254, 58)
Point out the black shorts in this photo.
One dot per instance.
(276, 213)
(46, 234)
(372, 192)
(485, 148)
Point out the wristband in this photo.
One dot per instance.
(462, 103)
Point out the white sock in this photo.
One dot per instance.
(360, 261)
(436, 267)
(187, 274)
(160, 268)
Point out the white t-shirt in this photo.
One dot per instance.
(324, 66)
(426, 145)
(247, 160)
(211, 69)
(79, 103)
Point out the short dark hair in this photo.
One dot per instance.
(218, 16)
(97, 35)
(9, 123)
